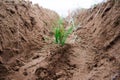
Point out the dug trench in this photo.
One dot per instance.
(27, 51)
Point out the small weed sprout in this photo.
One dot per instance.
(60, 33)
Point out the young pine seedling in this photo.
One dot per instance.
(60, 33)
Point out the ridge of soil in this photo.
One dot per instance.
(24, 28)
(100, 33)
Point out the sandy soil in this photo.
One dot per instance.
(28, 53)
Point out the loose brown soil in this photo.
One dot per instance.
(28, 53)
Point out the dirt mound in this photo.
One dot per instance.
(100, 32)
(23, 28)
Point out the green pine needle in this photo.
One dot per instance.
(60, 33)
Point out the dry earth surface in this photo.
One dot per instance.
(28, 53)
